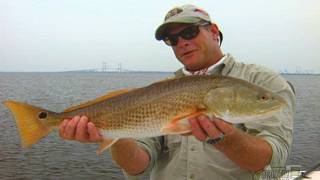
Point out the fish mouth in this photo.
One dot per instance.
(273, 109)
(254, 117)
(271, 112)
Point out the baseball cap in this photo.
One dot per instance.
(185, 14)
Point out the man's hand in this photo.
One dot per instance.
(79, 129)
(203, 127)
(127, 154)
(249, 152)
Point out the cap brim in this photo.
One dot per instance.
(162, 28)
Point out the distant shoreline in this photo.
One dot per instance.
(86, 72)
(100, 72)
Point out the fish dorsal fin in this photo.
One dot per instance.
(99, 99)
(165, 80)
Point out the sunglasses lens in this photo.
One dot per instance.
(187, 34)
(171, 40)
(190, 32)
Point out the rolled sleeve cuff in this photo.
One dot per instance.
(147, 146)
(278, 159)
(279, 153)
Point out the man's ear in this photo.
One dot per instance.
(214, 30)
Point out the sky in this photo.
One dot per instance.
(59, 35)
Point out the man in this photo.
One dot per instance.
(215, 149)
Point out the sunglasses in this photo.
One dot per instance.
(187, 34)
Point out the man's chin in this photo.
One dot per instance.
(191, 69)
(189, 63)
(191, 66)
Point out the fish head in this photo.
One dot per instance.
(241, 101)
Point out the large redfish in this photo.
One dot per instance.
(158, 109)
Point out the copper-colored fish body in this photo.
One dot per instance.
(145, 111)
(160, 108)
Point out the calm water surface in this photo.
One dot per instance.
(54, 158)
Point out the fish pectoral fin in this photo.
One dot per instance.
(176, 128)
(99, 99)
(179, 124)
(186, 115)
(105, 144)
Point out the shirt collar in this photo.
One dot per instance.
(204, 71)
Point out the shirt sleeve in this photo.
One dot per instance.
(278, 129)
(278, 135)
(153, 147)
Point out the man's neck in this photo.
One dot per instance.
(213, 60)
(205, 69)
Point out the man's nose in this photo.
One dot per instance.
(182, 42)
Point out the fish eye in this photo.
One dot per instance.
(263, 97)
(42, 115)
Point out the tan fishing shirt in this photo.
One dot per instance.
(176, 157)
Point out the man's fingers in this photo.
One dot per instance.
(210, 129)
(224, 126)
(62, 127)
(81, 133)
(196, 129)
(94, 135)
(70, 128)
(80, 129)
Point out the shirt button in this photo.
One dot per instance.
(193, 148)
(192, 176)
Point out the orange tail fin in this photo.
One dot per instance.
(30, 127)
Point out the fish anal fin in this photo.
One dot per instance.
(105, 144)
(99, 99)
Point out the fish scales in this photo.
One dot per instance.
(158, 109)
(150, 107)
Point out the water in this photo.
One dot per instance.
(306, 143)
(54, 158)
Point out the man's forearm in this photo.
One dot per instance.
(129, 156)
(249, 152)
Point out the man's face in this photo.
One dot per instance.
(199, 52)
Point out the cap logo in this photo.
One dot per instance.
(173, 12)
(201, 11)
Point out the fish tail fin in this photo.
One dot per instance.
(30, 126)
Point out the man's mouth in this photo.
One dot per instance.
(187, 53)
